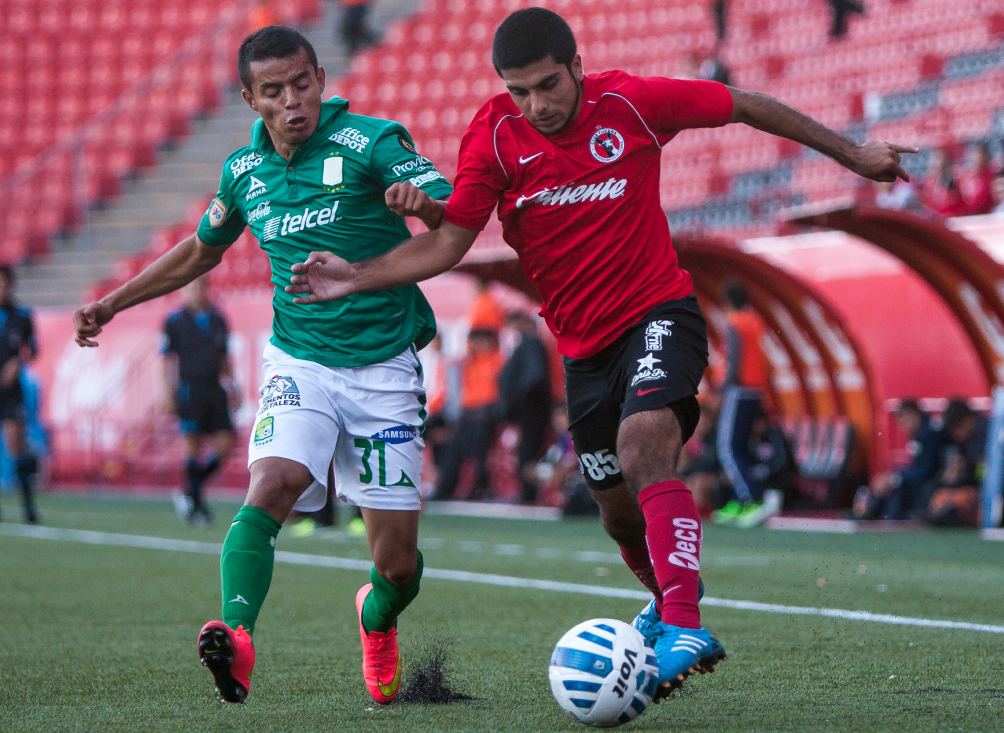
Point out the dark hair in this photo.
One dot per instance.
(735, 295)
(909, 404)
(956, 411)
(271, 42)
(7, 273)
(530, 35)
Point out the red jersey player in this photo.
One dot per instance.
(571, 163)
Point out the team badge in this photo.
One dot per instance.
(332, 172)
(606, 145)
(217, 213)
(264, 430)
(406, 144)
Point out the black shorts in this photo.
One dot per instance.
(657, 363)
(12, 405)
(203, 408)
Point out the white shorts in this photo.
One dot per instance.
(368, 420)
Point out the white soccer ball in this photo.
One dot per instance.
(602, 673)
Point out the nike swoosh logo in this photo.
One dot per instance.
(389, 690)
(643, 392)
(524, 161)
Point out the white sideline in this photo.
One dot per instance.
(508, 581)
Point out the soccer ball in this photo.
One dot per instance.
(602, 673)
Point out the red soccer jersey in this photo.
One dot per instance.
(581, 208)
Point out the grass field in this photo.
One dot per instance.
(98, 633)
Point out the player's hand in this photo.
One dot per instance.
(88, 320)
(322, 276)
(880, 161)
(405, 199)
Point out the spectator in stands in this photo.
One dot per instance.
(719, 13)
(485, 313)
(559, 472)
(440, 375)
(976, 181)
(355, 30)
(200, 389)
(899, 195)
(940, 190)
(262, 14)
(998, 192)
(525, 399)
(746, 375)
(841, 10)
(479, 416)
(17, 347)
(714, 68)
(955, 493)
(899, 493)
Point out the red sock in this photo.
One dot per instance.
(674, 541)
(637, 559)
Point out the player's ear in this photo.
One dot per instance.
(576, 67)
(248, 99)
(320, 77)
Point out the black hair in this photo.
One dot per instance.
(271, 42)
(531, 35)
(909, 404)
(735, 295)
(7, 273)
(956, 411)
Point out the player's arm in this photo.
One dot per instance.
(325, 276)
(879, 161)
(187, 260)
(406, 199)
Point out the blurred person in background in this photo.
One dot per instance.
(719, 12)
(940, 188)
(699, 463)
(841, 10)
(340, 381)
(899, 493)
(898, 195)
(525, 399)
(17, 348)
(976, 180)
(200, 389)
(747, 373)
(354, 28)
(262, 14)
(997, 188)
(474, 434)
(954, 494)
(571, 162)
(771, 469)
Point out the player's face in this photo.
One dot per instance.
(546, 92)
(287, 94)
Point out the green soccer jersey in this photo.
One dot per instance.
(329, 197)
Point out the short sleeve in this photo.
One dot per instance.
(671, 105)
(396, 160)
(223, 222)
(480, 180)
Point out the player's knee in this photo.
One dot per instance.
(397, 570)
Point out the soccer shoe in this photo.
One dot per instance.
(381, 661)
(229, 656)
(681, 652)
(182, 506)
(648, 619)
(727, 514)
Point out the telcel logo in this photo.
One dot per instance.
(293, 223)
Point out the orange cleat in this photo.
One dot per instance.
(381, 661)
(229, 656)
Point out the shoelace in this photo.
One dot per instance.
(381, 651)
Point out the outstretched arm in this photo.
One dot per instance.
(879, 161)
(324, 276)
(181, 264)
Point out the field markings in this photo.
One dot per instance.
(506, 581)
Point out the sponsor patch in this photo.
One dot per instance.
(264, 430)
(351, 138)
(396, 434)
(245, 163)
(654, 333)
(264, 208)
(217, 213)
(406, 144)
(279, 391)
(418, 163)
(256, 189)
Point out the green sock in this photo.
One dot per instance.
(386, 601)
(246, 566)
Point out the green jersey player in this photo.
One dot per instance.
(341, 381)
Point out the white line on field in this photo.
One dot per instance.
(506, 581)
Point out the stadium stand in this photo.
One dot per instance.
(104, 84)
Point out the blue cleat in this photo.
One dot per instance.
(681, 652)
(648, 621)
